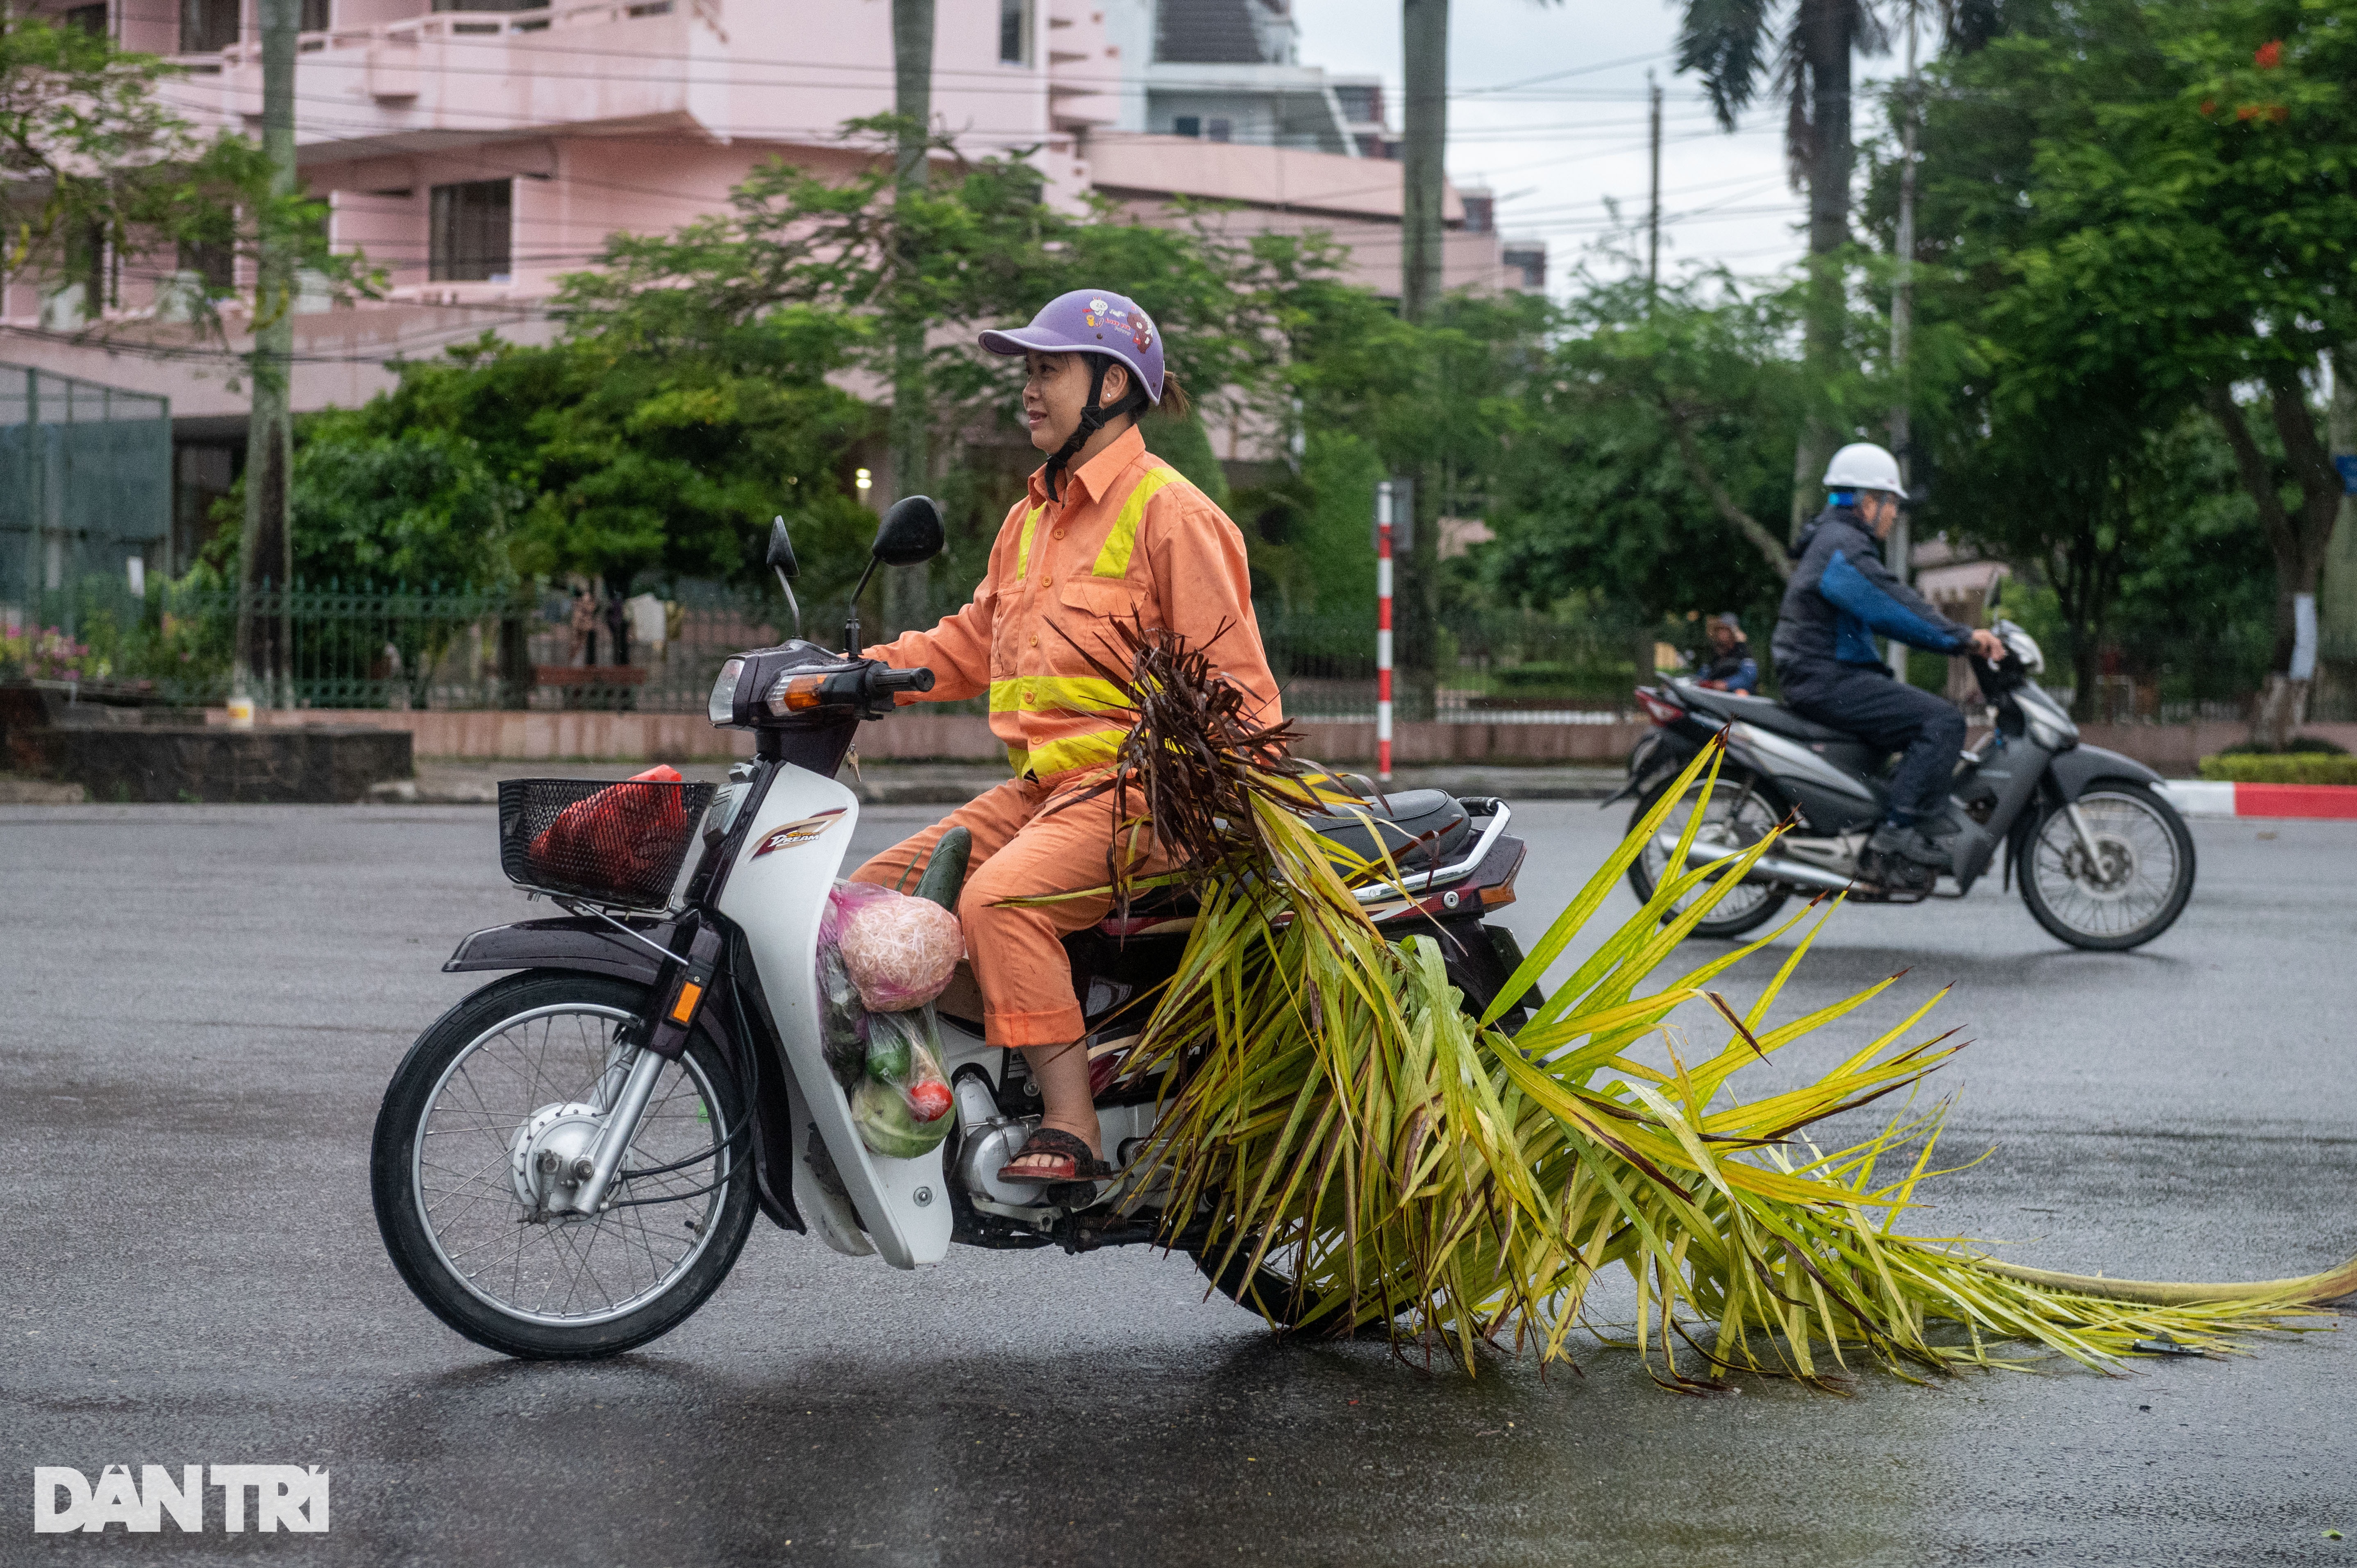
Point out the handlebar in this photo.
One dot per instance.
(872, 688)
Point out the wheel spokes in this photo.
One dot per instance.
(563, 1269)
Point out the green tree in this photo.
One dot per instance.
(2141, 209)
(1644, 445)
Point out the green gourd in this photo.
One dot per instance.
(944, 875)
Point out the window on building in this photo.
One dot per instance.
(208, 26)
(215, 264)
(1014, 32)
(315, 16)
(1187, 125)
(471, 227)
(1218, 129)
(91, 19)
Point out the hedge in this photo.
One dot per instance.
(2282, 768)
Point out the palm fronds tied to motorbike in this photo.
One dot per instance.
(1333, 1119)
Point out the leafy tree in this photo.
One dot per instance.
(1643, 447)
(2142, 209)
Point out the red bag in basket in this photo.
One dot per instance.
(628, 829)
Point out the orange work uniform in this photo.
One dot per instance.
(1129, 537)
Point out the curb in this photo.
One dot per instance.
(2214, 798)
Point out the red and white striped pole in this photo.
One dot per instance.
(1383, 633)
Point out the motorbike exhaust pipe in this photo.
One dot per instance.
(1770, 868)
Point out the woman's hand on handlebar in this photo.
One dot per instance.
(873, 687)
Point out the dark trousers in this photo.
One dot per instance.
(1869, 703)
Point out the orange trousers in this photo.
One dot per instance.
(1023, 849)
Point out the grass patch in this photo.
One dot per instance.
(2282, 768)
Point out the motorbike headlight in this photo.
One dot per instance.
(721, 708)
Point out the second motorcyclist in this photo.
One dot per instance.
(1840, 594)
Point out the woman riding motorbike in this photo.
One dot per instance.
(1105, 532)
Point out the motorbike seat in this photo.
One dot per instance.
(1422, 828)
(1425, 829)
(1767, 714)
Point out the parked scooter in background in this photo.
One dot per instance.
(2105, 861)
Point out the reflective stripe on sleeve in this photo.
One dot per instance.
(1112, 561)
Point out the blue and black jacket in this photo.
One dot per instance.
(1841, 595)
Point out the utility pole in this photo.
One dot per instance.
(911, 430)
(1425, 34)
(1902, 329)
(263, 667)
(1425, 39)
(1653, 207)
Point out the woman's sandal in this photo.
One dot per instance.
(1076, 1164)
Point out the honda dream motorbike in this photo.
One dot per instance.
(567, 1161)
(2105, 861)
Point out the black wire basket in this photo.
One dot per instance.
(614, 843)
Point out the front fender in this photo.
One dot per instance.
(575, 942)
(2079, 769)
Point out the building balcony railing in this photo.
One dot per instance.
(463, 70)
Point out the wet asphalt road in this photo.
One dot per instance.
(203, 1005)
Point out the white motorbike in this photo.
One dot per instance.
(567, 1162)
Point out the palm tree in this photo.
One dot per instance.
(1735, 43)
(1805, 54)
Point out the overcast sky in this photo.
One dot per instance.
(1554, 150)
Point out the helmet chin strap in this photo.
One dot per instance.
(1093, 419)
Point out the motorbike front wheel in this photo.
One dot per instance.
(482, 1120)
(2133, 888)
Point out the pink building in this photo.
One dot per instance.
(476, 154)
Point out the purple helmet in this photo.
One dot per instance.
(1092, 321)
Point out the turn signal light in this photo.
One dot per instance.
(795, 692)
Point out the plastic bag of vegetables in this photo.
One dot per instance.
(843, 1019)
(901, 1104)
(899, 949)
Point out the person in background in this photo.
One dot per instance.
(617, 626)
(585, 625)
(1731, 667)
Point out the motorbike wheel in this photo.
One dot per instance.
(472, 1108)
(2139, 887)
(1735, 817)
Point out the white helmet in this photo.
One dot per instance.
(1863, 466)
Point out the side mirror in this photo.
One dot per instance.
(780, 558)
(910, 532)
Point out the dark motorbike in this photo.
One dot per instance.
(2105, 861)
